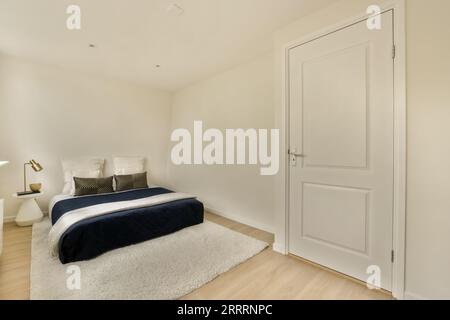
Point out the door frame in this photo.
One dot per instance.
(281, 244)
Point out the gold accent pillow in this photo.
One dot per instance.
(88, 186)
(131, 181)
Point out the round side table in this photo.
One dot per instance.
(29, 211)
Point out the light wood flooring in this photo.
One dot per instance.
(268, 275)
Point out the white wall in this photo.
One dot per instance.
(239, 98)
(48, 113)
(428, 83)
(428, 205)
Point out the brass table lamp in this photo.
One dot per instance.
(36, 167)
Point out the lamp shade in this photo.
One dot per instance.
(2, 163)
(36, 166)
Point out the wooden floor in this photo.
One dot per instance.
(15, 263)
(268, 275)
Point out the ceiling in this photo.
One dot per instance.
(132, 37)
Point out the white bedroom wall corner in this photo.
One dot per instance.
(167, 178)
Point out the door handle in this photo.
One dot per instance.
(295, 154)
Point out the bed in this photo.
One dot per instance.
(85, 227)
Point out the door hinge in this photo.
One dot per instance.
(394, 51)
(392, 256)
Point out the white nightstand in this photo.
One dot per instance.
(29, 211)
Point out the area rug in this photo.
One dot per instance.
(164, 268)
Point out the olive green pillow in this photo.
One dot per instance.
(88, 186)
(131, 181)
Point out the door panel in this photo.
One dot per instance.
(345, 209)
(335, 124)
(341, 122)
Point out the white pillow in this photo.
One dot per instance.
(129, 165)
(84, 166)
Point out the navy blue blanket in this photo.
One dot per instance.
(91, 237)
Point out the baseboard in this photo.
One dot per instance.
(277, 247)
(249, 222)
(9, 219)
(412, 296)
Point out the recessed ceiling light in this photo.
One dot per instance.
(158, 66)
(91, 45)
(175, 9)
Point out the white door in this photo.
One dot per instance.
(341, 130)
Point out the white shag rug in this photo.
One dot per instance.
(168, 267)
